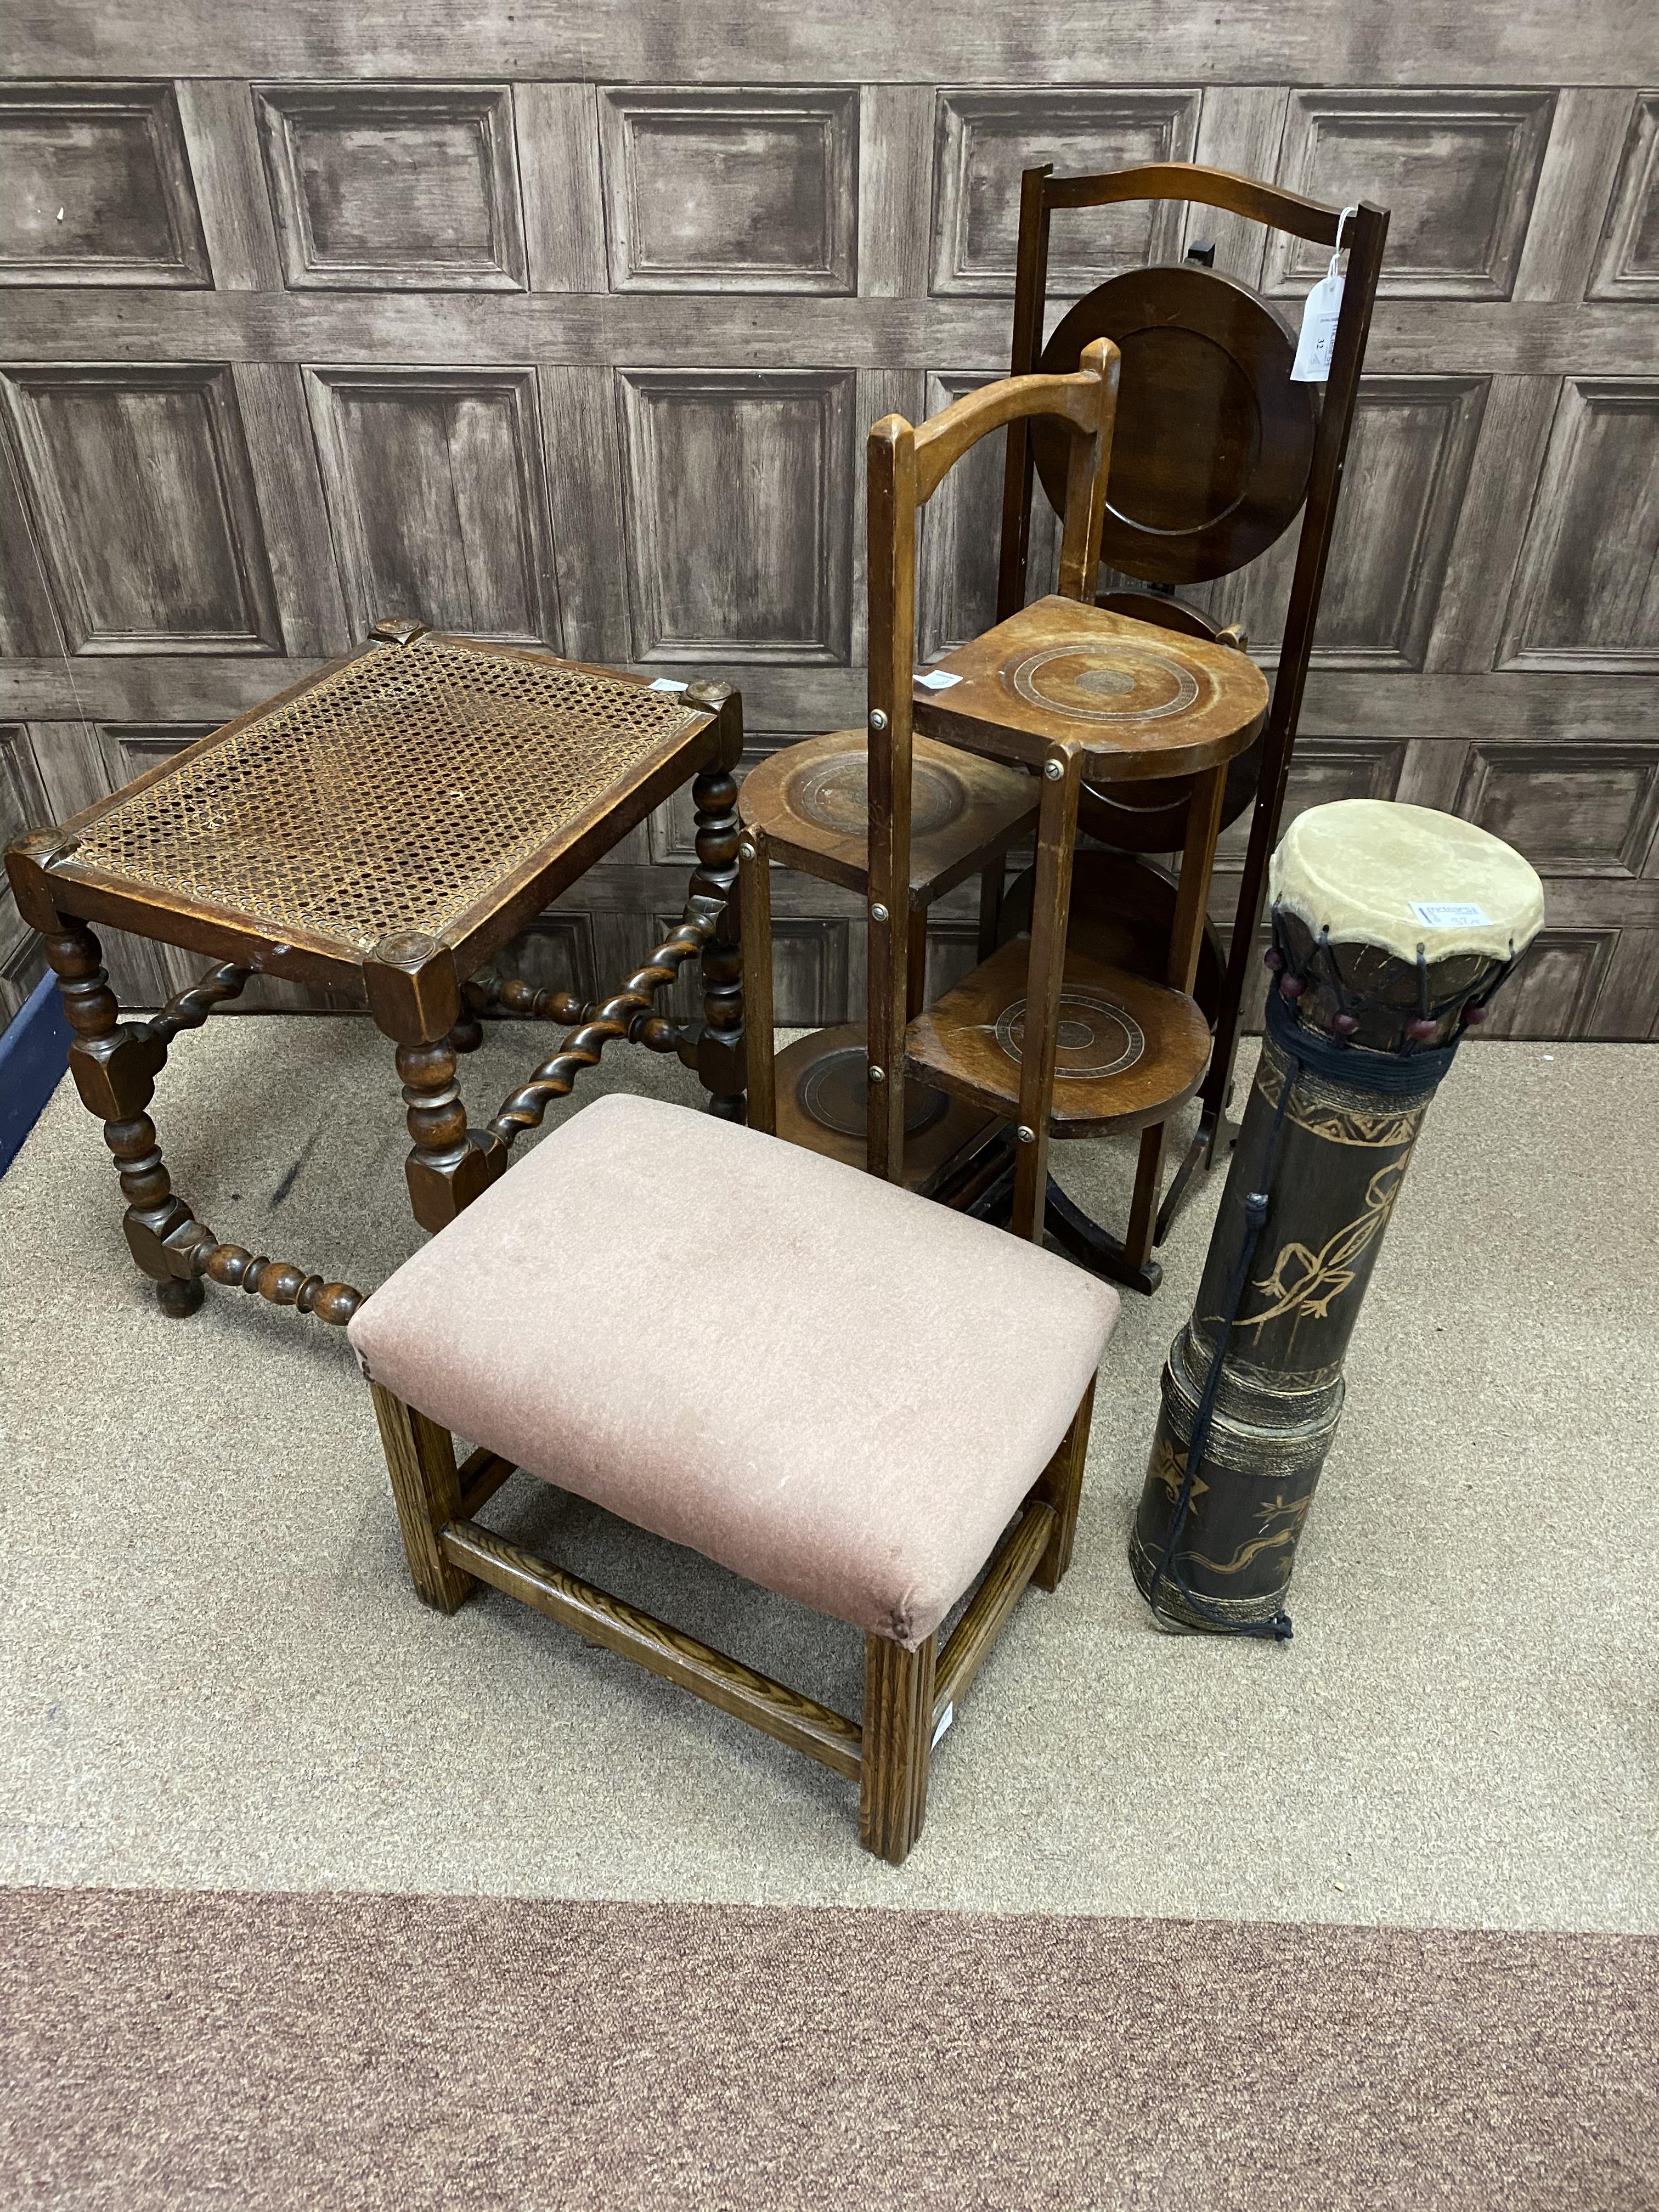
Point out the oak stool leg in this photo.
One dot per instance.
(1060, 1485)
(420, 1458)
(115, 1069)
(898, 1742)
(415, 997)
(715, 796)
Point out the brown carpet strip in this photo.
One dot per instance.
(183, 2049)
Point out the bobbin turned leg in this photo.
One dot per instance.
(414, 996)
(114, 1066)
(719, 1045)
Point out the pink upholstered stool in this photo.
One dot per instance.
(852, 1396)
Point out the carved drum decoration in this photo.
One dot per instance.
(1393, 927)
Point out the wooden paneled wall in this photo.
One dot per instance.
(567, 324)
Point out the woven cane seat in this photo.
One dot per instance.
(395, 792)
(813, 802)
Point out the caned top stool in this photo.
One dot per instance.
(874, 1402)
(385, 828)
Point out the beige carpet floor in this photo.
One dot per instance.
(213, 1673)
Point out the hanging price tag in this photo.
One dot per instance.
(1317, 341)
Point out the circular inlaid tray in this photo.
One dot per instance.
(834, 791)
(1213, 443)
(1111, 682)
(1121, 914)
(836, 1093)
(822, 1101)
(1097, 1036)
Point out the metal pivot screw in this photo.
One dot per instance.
(1026, 1136)
(1053, 770)
(878, 719)
(879, 913)
(878, 1075)
(747, 852)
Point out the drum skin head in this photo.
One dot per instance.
(1213, 443)
(1360, 868)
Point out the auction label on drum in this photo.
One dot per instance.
(1448, 915)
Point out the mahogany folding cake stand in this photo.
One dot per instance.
(1041, 1036)
(1218, 451)
(390, 824)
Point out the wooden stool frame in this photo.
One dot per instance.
(425, 996)
(910, 1697)
(1362, 237)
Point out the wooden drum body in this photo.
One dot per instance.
(1362, 1027)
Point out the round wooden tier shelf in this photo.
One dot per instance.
(822, 1100)
(1151, 817)
(1130, 1051)
(1134, 700)
(1215, 467)
(1122, 914)
(813, 802)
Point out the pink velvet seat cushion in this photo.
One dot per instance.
(831, 1386)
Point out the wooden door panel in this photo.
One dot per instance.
(738, 537)
(142, 503)
(95, 187)
(436, 489)
(1587, 590)
(1554, 992)
(1627, 264)
(411, 187)
(745, 192)
(1457, 170)
(1407, 475)
(1573, 810)
(572, 332)
(983, 139)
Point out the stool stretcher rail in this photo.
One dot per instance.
(627, 1014)
(789, 1715)
(192, 1252)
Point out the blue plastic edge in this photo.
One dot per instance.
(33, 1061)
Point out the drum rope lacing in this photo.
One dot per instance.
(1412, 1072)
(1329, 1056)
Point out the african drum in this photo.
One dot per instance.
(1392, 927)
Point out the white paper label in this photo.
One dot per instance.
(1314, 346)
(944, 1720)
(1317, 341)
(936, 679)
(1446, 914)
(667, 684)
